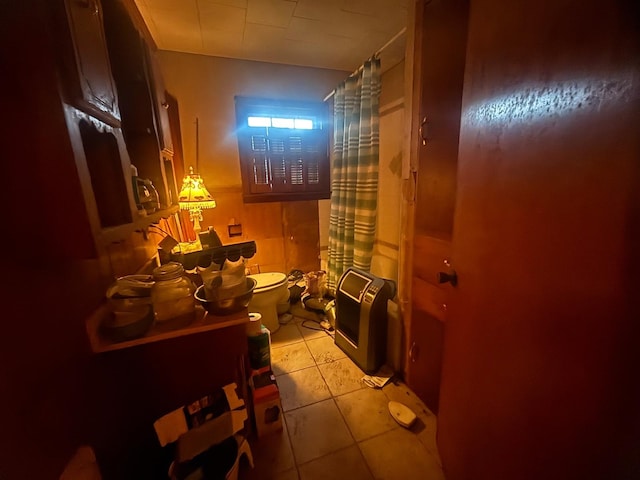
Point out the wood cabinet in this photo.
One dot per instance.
(89, 84)
(440, 45)
(145, 121)
(68, 225)
(66, 140)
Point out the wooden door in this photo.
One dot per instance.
(539, 375)
(442, 28)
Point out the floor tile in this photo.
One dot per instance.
(290, 358)
(345, 464)
(426, 425)
(366, 412)
(246, 473)
(317, 430)
(398, 455)
(342, 376)
(309, 329)
(272, 455)
(425, 428)
(325, 350)
(301, 388)
(300, 313)
(400, 392)
(286, 335)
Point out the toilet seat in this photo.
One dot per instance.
(268, 281)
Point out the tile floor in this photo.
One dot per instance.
(335, 427)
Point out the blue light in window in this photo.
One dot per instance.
(303, 124)
(279, 122)
(259, 121)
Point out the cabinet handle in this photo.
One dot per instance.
(165, 105)
(421, 131)
(413, 352)
(451, 276)
(444, 277)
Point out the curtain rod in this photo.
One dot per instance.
(376, 53)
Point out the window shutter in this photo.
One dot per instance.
(283, 163)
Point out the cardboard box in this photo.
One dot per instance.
(266, 402)
(203, 423)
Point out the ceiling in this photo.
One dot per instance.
(334, 34)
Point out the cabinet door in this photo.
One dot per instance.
(440, 54)
(428, 314)
(160, 104)
(93, 89)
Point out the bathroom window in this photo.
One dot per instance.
(283, 149)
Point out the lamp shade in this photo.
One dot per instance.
(193, 194)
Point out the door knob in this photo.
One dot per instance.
(451, 276)
(444, 277)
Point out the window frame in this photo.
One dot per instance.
(308, 147)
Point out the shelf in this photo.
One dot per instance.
(116, 234)
(204, 322)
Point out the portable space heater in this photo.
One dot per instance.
(361, 317)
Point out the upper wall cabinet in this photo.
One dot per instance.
(89, 84)
(145, 122)
(70, 155)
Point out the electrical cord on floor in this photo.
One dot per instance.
(320, 328)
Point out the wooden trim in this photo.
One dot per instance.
(391, 107)
(120, 232)
(138, 21)
(285, 197)
(390, 245)
(203, 323)
(413, 78)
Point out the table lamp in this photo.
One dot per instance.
(195, 197)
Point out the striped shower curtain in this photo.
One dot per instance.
(354, 174)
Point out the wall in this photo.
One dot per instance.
(205, 88)
(385, 254)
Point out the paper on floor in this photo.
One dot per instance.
(380, 379)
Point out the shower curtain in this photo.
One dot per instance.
(354, 174)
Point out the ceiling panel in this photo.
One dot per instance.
(316, 10)
(222, 18)
(222, 44)
(276, 13)
(335, 34)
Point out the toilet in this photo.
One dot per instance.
(270, 298)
